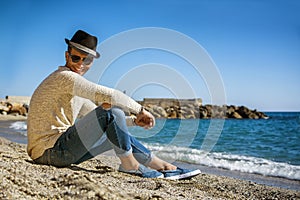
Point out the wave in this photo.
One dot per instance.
(227, 161)
(20, 127)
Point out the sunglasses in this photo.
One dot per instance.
(87, 60)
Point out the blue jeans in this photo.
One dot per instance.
(99, 131)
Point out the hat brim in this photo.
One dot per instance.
(80, 47)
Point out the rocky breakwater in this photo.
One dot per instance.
(193, 109)
(14, 105)
(159, 107)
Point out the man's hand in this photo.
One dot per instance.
(145, 119)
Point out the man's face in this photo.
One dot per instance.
(78, 62)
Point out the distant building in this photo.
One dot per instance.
(18, 99)
(167, 102)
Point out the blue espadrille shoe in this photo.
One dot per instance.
(180, 173)
(143, 172)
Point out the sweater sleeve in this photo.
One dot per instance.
(98, 93)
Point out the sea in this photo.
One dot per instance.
(266, 151)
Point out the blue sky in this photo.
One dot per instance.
(255, 44)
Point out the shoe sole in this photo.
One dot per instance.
(161, 176)
(184, 176)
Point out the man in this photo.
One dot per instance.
(65, 127)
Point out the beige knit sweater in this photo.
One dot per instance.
(59, 100)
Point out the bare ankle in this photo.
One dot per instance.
(130, 167)
(129, 163)
(161, 165)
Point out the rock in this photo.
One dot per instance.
(14, 108)
(172, 113)
(187, 114)
(160, 111)
(243, 111)
(230, 110)
(253, 116)
(236, 115)
(203, 113)
(4, 108)
(18, 108)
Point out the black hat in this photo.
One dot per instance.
(84, 42)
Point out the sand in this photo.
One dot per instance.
(99, 179)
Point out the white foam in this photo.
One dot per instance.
(227, 161)
(20, 127)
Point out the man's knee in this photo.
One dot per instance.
(117, 112)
